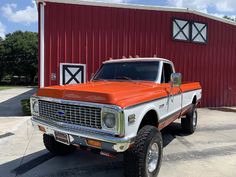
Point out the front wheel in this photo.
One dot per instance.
(144, 158)
(55, 147)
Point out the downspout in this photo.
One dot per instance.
(42, 59)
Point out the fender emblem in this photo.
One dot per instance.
(161, 106)
(131, 118)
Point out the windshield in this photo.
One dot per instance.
(138, 71)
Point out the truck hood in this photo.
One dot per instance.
(122, 94)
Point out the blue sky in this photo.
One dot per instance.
(22, 14)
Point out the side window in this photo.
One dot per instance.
(166, 73)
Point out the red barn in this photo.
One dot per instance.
(72, 32)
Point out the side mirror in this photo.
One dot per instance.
(176, 79)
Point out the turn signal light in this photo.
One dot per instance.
(94, 143)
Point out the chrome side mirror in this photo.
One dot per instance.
(176, 79)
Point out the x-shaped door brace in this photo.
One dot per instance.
(181, 30)
(199, 32)
(73, 76)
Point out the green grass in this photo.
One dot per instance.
(26, 107)
(5, 87)
(11, 87)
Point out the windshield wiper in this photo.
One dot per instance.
(124, 77)
(105, 80)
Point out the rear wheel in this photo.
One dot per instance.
(55, 147)
(189, 123)
(144, 159)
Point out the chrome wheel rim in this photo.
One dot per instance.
(194, 119)
(152, 158)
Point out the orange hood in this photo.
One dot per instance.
(122, 94)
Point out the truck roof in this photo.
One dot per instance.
(135, 60)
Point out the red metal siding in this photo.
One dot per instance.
(90, 35)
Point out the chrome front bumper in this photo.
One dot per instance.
(80, 135)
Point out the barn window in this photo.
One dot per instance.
(181, 30)
(199, 32)
(191, 31)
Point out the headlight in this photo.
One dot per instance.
(34, 106)
(110, 120)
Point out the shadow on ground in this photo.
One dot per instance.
(12, 107)
(223, 109)
(80, 163)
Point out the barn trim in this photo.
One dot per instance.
(141, 7)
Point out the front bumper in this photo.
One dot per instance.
(80, 135)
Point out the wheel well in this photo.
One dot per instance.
(150, 118)
(194, 100)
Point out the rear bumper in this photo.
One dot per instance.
(81, 135)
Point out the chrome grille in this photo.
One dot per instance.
(71, 114)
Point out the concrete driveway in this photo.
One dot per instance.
(10, 109)
(10, 101)
(210, 152)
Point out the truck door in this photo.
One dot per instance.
(173, 102)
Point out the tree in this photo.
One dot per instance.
(1, 59)
(1, 40)
(19, 55)
(230, 18)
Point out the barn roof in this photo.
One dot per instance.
(142, 7)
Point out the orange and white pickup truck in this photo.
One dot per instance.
(121, 110)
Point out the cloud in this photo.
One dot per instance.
(220, 15)
(24, 16)
(2, 30)
(204, 5)
(226, 6)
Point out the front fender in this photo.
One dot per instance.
(131, 129)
